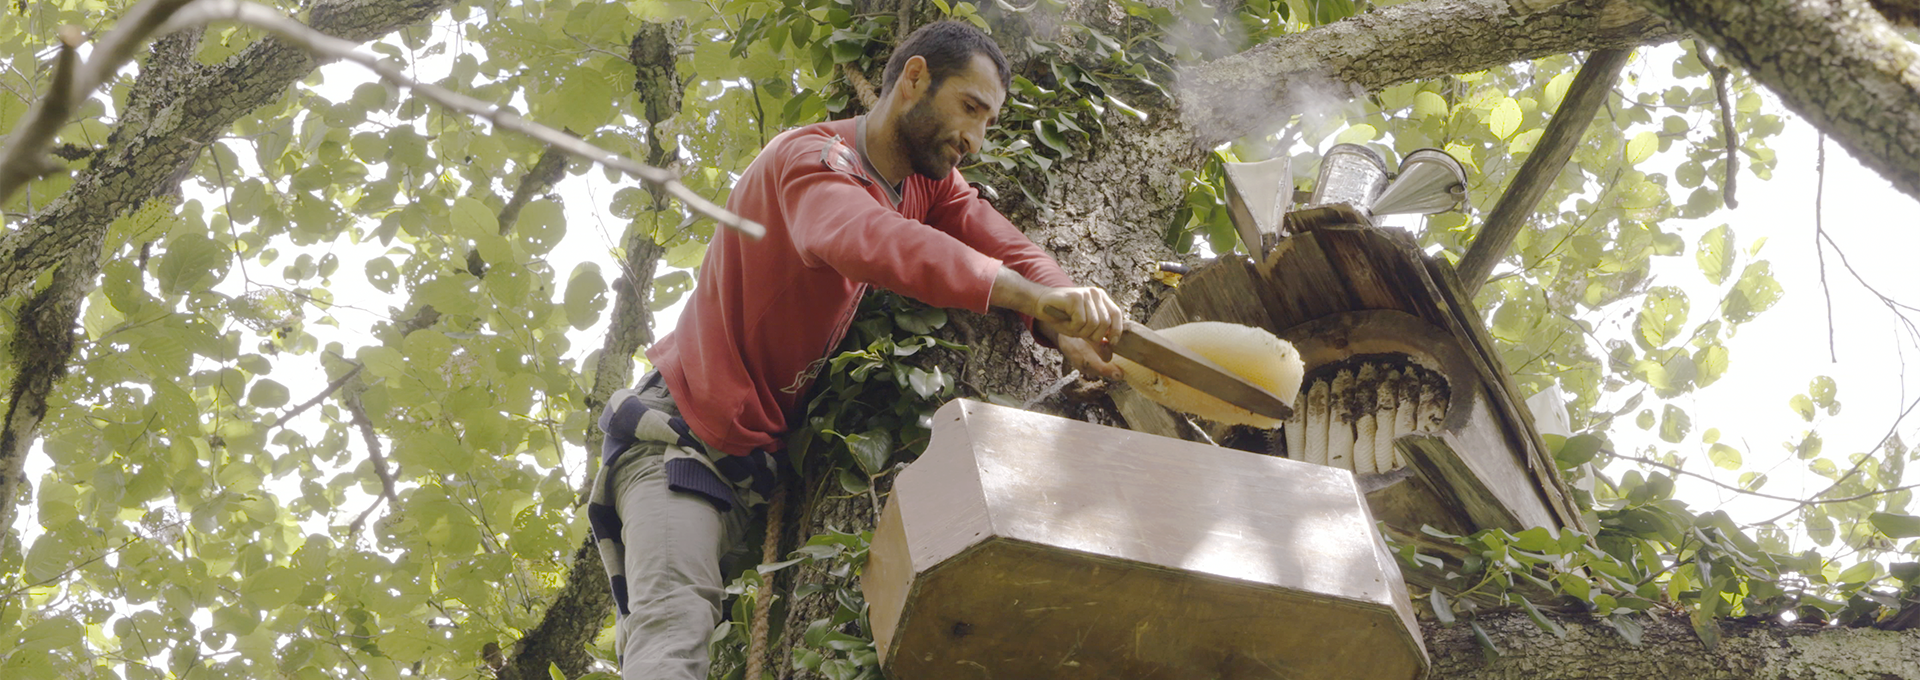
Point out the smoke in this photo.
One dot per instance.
(1239, 98)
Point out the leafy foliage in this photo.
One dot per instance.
(198, 501)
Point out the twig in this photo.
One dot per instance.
(11, 594)
(323, 45)
(1819, 231)
(1719, 74)
(374, 454)
(1892, 431)
(322, 396)
(1678, 470)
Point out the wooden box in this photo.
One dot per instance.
(1027, 546)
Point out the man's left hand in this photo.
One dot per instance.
(1088, 358)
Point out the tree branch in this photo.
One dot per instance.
(1732, 137)
(1667, 648)
(1584, 97)
(572, 621)
(264, 18)
(322, 396)
(1903, 12)
(23, 158)
(542, 176)
(1892, 431)
(1257, 90)
(1835, 62)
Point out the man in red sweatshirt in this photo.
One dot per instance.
(873, 201)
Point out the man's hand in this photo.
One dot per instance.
(1085, 313)
(1088, 358)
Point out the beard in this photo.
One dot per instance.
(919, 134)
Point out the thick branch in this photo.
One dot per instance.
(42, 345)
(1669, 649)
(1584, 97)
(1903, 12)
(1835, 62)
(1256, 90)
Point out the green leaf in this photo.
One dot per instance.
(1428, 105)
(471, 219)
(1541, 620)
(1357, 134)
(192, 262)
(1577, 451)
(1641, 147)
(871, 450)
(1674, 424)
(1823, 390)
(1803, 406)
(1725, 456)
(1715, 254)
(1707, 627)
(1556, 90)
(1442, 610)
(1662, 317)
(1895, 525)
(1504, 119)
(586, 295)
(267, 394)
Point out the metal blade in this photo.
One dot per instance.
(1167, 358)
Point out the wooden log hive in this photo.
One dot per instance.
(1404, 385)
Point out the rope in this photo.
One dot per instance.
(758, 630)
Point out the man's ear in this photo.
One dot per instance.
(914, 77)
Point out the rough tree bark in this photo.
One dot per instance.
(1670, 649)
(1233, 96)
(191, 105)
(1835, 62)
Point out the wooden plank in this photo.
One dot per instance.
(1223, 291)
(1143, 414)
(1351, 251)
(1447, 470)
(1170, 313)
(1525, 442)
(1300, 284)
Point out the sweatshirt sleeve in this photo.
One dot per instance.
(961, 211)
(833, 221)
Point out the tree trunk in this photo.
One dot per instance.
(1669, 650)
(1836, 62)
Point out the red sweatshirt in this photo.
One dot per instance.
(744, 351)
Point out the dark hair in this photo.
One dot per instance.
(948, 46)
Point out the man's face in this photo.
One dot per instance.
(948, 123)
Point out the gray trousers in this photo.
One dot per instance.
(675, 543)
